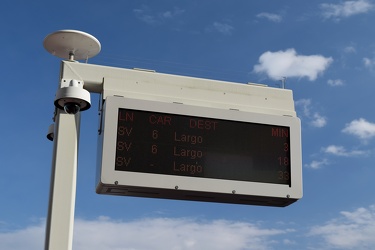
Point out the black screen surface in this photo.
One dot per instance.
(171, 144)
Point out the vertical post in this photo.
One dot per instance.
(59, 228)
(283, 82)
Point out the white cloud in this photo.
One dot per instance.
(223, 28)
(145, 14)
(318, 121)
(154, 233)
(369, 63)
(31, 237)
(305, 104)
(353, 230)
(345, 9)
(172, 13)
(335, 82)
(270, 16)
(341, 151)
(317, 164)
(361, 128)
(314, 118)
(289, 242)
(350, 49)
(289, 64)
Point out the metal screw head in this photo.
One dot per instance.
(233, 191)
(288, 196)
(116, 182)
(176, 187)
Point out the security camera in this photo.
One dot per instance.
(71, 108)
(71, 97)
(50, 133)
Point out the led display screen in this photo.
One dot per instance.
(191, 146)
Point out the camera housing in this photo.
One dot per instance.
(51, 131)
(72, 98)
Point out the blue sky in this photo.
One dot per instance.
(326, 49)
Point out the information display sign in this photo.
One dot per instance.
(161, 143)
(170, 150)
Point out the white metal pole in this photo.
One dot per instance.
(60, 220)
(59, 229)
